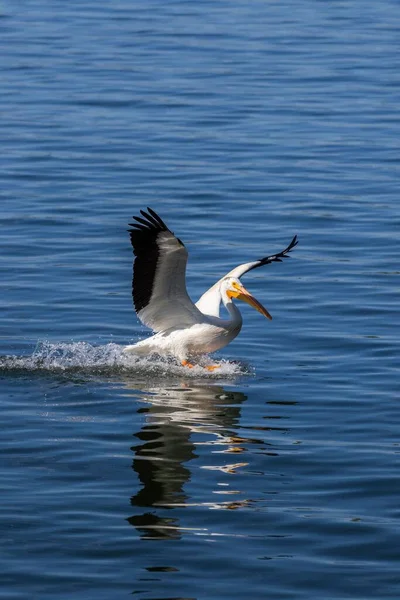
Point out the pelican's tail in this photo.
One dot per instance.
(139, 349)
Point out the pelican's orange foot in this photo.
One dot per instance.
(186, 363)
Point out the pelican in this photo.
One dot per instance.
(181, 328)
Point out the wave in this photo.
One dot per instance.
(110, 359)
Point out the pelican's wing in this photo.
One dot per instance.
(210, 301)
(159, 275)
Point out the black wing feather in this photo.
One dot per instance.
(150, 219)
(143, 237)
(141, 221)
(276, 257)
(156, 217)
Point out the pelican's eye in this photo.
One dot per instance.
(235, 290)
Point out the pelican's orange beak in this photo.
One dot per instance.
(239, 291)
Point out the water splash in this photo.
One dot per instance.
(109, 359)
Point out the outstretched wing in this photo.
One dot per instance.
(210, 301)
(159, 275)
(245, 268)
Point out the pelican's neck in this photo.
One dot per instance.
(234, 312)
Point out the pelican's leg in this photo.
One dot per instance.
(186, 363)
(212, 367)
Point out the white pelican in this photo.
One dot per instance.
(183, 329)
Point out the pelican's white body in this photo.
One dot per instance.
(208, 334)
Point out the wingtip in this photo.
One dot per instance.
(155, 217)
(292, 244)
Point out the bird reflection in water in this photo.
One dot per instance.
(173, 417)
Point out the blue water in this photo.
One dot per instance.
(242, 124)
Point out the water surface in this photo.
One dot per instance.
(242, 124)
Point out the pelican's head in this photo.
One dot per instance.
(235, 289)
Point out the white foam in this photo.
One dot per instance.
(111, 359)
